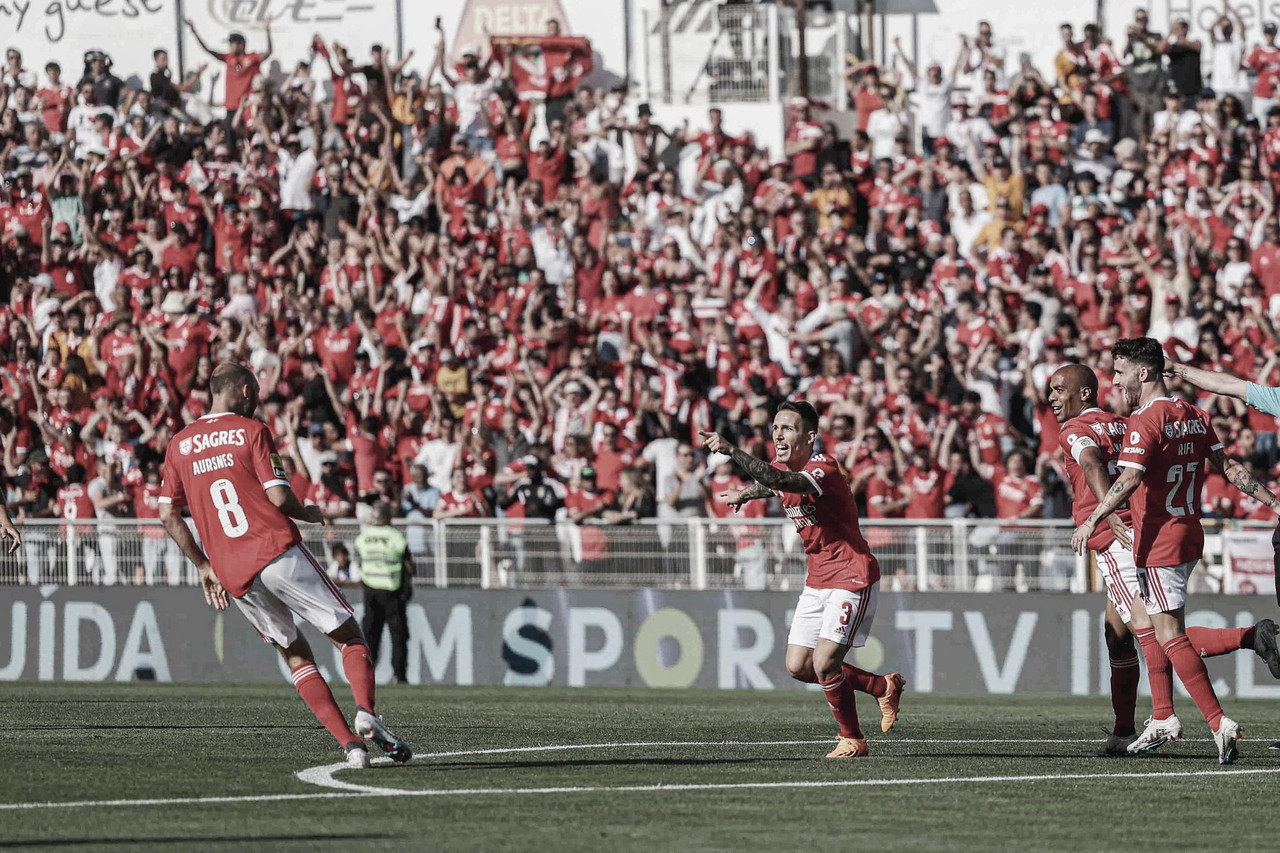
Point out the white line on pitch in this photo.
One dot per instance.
(718, 786)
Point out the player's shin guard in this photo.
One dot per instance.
(1191, 671)
(1125, 675)
(315, 692)
(1211, 642)
(865, 682)
(1159, 674)
(841, 697)
(358, 667)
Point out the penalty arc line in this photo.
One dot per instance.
(323, 774)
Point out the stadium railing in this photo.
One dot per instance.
(950, 555)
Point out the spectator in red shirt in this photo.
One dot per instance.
(241, 67)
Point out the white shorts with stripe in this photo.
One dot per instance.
(1120, 576)
(1164, 588)
(842, 616)
(293, 583)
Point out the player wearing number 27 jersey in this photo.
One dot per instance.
(1170, 440)
(220, 467)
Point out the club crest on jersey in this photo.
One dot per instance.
(184, 447)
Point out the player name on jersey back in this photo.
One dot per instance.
(213, 463)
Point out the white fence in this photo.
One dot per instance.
(952, 555)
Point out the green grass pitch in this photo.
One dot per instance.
(78, 743)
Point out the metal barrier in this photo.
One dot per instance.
(711, 53)
(949, 555)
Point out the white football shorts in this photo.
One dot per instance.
(1120, 576)
(842, 616)
(1164, 588)
(293, 583)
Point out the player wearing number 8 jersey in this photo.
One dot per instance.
(1161, 464)
(225, 469)
(838, 603)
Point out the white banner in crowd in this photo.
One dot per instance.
(1250, 563)
(63, 30)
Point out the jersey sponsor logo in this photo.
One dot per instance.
(1072, 439)
(1134, 438)
(208, 441)
(213, 463)
(817, 473)
(277, 466)
(803, 516)
(1178, 429)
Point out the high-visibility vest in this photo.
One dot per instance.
(381, 551)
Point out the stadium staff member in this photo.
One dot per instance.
(386, 571)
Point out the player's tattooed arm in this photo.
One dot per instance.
(754, 491)
(772, 478)
(1238, 475)
(1119, 492)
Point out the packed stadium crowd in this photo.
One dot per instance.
(470, 289)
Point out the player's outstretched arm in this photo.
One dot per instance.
(1099, 482)
(759, 470)
(1119, 492)
(1209, 380)
(287, 502)
(736, 499)
(1238, 475)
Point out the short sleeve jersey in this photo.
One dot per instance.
(1169, 441)
(221, 467)
(827, 521)
(1106, 432)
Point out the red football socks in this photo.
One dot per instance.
(1159, 674)
(358, 667)
(841, 697)
(1211, 642)
(1125, 675)
(866, 682)
(315, 692)
(1191, 671)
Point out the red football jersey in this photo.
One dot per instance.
(221, 467)
(1169, 441)
(1105, 431)
(839, 557)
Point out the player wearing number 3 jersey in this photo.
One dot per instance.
(838, 604)
(224, 468)
(1161, 461)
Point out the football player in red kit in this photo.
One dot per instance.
(838, 603)
(1162, 460)
(224, 468)
(1091, 439)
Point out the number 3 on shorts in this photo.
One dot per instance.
(846, 609)
(230, 514)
